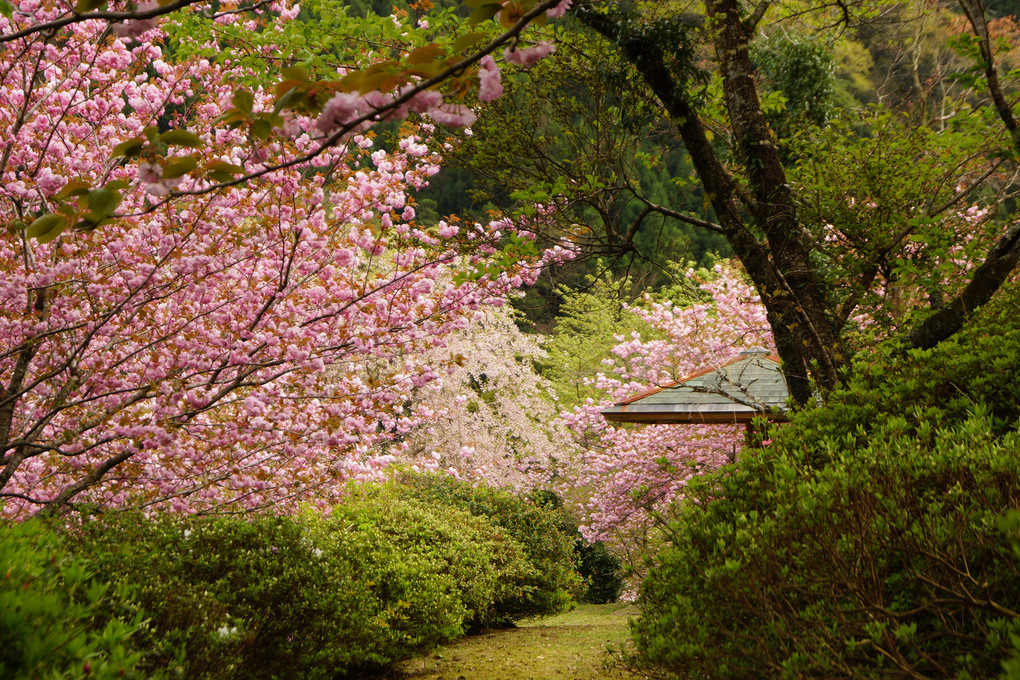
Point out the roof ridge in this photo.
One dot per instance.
(676, 383)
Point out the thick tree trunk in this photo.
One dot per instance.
(779, 265)
(776, 210)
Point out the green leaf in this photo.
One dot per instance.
(182, 138)
(128, 148)
(483, 13)
(75, 187)
(468, 40)
(379, 80)
(292, 98)
(92, 221)
(274, 119)
(88, 5)
(179, 167)
(46, 228)
(244, 100)
(223, 171)
(103, 201)
(232, 117)
(425, 54)
(426, 70)
(299, 73)
(6, 9)
(261, 128)
(352, 82)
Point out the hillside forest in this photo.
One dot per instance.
(310, 311)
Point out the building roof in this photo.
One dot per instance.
(741, 389)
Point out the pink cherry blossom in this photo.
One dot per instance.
(559, 10)
(490, 87)
(454, 115)
(529, 56)
(620, 476)
(340, 110)
(135, 28)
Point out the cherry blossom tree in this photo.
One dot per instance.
(372, 88)
(214, 303)
(492, 417)
(621, 476)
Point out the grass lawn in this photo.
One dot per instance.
(570, 646)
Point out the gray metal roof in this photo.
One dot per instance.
(748, 386)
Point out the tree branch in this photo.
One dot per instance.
(683, 217)
(987, 279)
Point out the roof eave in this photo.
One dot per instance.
(623, 414)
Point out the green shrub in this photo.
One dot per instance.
(601, 570)
(913, 394)
(49, 603)
(445, 569)
(875, 537)
(237, 598)
(538, 526)
(377, 579)
(888, 562)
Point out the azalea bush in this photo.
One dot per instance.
(59, 615)
(537, 525)
(382, 576)
(228, 597)
(473, 564)
(874, 537)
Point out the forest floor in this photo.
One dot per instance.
(571, 646)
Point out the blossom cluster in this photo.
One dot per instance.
(492, 417)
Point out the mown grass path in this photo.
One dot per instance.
(570, 646)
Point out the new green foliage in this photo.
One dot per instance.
(450, 569)
(58, 617)
(239, 598)
(585, 330)
(802, 69)
(551, 586)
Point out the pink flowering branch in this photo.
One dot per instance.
(342, 115)
(630, 474)
(249, 347)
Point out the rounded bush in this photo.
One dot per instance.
(237, 597)
(445, 569)
(877, 537)
(553, 583)
(889, 562)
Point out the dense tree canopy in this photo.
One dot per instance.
(753, 110)
(215, 288)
